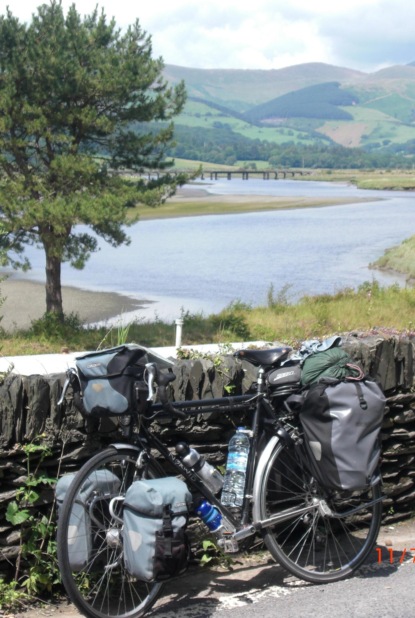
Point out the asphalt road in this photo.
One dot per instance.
(256, 586)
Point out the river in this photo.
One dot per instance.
(201, 264)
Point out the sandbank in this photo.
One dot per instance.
(24, 301)
(194, 200)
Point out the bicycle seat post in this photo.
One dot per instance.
(260, 379)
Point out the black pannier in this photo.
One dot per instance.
(109, 379)
(342, 422)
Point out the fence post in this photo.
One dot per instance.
(179, 330)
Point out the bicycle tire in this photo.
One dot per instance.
(101, 588)
(323, 545)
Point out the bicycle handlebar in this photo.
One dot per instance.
(155, 376)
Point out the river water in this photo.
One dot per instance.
(201, 264)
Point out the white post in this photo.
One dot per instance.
(179, 330)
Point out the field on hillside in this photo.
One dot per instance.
(344, 134)
(201, 115)
(381, 106)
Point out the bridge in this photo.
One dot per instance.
(246, 174)
(229, 174)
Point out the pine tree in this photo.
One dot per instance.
(78, 101)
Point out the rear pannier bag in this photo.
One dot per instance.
(101, 485)
(108, 379)
(155, 517)
(342, 422)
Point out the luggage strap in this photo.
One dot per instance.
(362, 400)
(167, 530)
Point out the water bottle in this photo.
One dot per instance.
(210, 515)
(194, 460)
(234, 483)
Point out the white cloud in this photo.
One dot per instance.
(360, 34)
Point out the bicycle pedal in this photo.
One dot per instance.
(228, 545)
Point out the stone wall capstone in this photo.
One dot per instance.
(29, 413)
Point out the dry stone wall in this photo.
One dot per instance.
(29, 414)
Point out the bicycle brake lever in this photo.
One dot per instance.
(64, 389)
(68, 381)
(151, 378)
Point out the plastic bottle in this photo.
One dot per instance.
(194, 460)
(234, 483)
(210, 516)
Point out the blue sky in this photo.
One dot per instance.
(365, 35)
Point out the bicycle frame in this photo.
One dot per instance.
(257, 461)
(261, 408)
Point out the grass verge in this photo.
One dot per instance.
(369, 308)
(399, 259)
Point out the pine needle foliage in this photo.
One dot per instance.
(76, 100)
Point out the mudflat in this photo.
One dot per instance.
(25, 301)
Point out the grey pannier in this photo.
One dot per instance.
(111, 381)
(101, 485)
(108, 379)
(154, 536)
(342, 422)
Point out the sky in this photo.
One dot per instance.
(364, 35)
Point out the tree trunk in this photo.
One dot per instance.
(53, 285)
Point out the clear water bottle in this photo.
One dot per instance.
(194, 460)
(210, 515)
(234, 483)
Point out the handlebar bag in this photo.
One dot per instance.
(83, 534)
(341, 422)
(154, 536)
(108, 377)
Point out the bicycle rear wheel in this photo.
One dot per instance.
(330, 541)
(89, 538)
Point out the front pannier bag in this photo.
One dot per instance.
(101, 485)
(342, 422)
(155, 517)
(108, 379)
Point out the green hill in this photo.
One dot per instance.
(324, 101)
(305, 104)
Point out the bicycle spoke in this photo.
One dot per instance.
(101, 588)
(324, 544)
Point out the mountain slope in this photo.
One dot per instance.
(323, 101)
(242, 89)
(305, 103)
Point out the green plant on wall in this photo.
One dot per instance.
(11, 597)
(36, 565)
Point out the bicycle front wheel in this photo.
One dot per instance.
(89, 538)
(332, 539)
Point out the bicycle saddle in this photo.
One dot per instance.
(264, 357)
